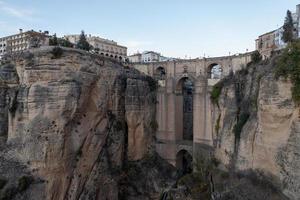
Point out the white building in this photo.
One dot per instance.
(280, 44)
(102, 46)
(135, 58)
(3, 44)
(148, 56)
(271, 41)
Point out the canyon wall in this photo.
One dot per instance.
(70, 122)
(256, 127)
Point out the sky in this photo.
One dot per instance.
(175, 28)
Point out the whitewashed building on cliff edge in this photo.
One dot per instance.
(22, 41)
(147, 57)
(102, 46)
(272, 41)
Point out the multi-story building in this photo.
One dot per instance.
(279, 43)
(148, 56)
(22, 41)
(265, 44)
(3, 44)
(135, 58)
(102, 46)
(272, 41)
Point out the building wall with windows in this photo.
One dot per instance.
(280, 44)
(102, 46)
(150, 56)
(271, 41)
(22, 41)
(265, 44)
(3, 44)
(135, 58)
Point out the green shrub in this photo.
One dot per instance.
(256, 57)
(288, 66)
(217, 126)
(215, 93)
(240, 124)
(24, 182)
(56, 52)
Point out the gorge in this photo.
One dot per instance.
(80, 126)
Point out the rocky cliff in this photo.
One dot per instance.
(257, 127)
(77, 126)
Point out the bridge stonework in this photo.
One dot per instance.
(169, 110)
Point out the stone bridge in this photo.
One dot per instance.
(183, 109)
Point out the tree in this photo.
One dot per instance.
(83, 43)
(53, 40)
(65, 43)
(256, 57)
(288, 28)
(288, 66)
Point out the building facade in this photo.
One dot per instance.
(102, 46)
(280, 44)
(148, 57)
(265, 44)
(272, 41)
(135, 58)
(22, 41)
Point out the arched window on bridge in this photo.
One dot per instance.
(184, 162)
(160, 73)
(215, 71)
(185, 88)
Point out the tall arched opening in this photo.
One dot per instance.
(160, 73)
(214, 71)
(184, 162)
(184, 109)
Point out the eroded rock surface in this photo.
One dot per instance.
(269, 140)
(66, 120)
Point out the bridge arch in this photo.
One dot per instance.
(184, 162)
(160, 73)
(214, 71)
(184, 109)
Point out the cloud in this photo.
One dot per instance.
(25, 14)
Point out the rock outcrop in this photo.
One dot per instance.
(257, 128)
(70, 124)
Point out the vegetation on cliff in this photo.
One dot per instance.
(288, 28)
(215, 93)
(288, 66)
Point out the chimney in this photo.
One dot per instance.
(21, 30)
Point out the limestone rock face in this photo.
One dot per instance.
(66, 119)
(269, 140)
